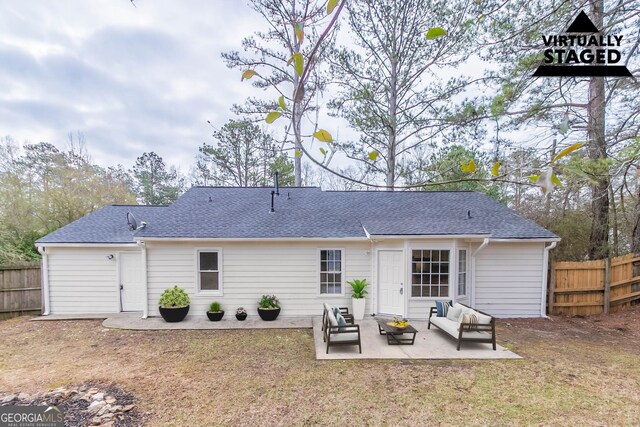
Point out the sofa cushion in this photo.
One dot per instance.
(483, 319)
(346, 336)
(454, 313)
(451, 327)
(332, 318)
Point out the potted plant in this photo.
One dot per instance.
(215, 313)
(357, 298)
(268, 307)
(241, 313)
(174, 304)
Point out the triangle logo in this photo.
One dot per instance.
(582, 24)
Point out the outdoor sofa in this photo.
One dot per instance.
(336, 334)
(476, 326)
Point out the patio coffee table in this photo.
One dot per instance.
(396, 336)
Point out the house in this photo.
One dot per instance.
(303, 244)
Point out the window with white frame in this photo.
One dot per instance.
(462, 272)
(331, 271)
(209, 270)
(429, 273)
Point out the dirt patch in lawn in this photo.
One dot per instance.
(573, 373)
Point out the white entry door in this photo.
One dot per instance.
(131, 291)
(390, 282)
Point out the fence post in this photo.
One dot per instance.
(552, 287)
(607, 284)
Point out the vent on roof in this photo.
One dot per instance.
(273, 194)
(469, 214)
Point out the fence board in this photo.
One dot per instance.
(593, 287)
(20, 291)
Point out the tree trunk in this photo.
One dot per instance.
(392, 134)
(599, 237)
(635, 237)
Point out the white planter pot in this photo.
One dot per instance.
(358, 308)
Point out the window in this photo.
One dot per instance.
(462, 272)
(331, 271)
(209, 270)
(430, 273)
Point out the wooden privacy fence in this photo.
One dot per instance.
(593, 287)
(20, 291)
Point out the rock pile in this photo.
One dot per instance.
(87, 404)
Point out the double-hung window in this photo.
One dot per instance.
(429, 273)
(462, 272)
(209, 271)
(331, 271)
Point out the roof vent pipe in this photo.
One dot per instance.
(273, 193)
(277, 184)
(469, 214)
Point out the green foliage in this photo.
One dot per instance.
(43, 188)
(244, 156)
(155, 185)
(358, 287)
(174, 298)
(269, 301)
(215, 307)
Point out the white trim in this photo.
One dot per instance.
(557, 239)
(85, 245)
(118, 282)
(377, 269)
(343, 254)
(429, 236)
(145, 281)
(220, 291)
(45, 281)
(471, 292)
(252, 239)
(545, 271)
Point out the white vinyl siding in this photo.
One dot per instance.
(509, 279)
(288, 270)
(83, 280)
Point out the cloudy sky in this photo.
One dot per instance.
(131, 79)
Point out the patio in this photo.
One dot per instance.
(429, 344)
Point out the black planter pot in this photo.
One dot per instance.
(241, 316)
(268, 314)
(174, 314)
(215, 316)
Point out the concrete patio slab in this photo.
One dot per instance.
(87, 316)
(202, 322)
(430, 344)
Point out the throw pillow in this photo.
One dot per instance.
(468, 318)
(341, 320)
(335, 310)
(442, 307)
(454, 313)
(483, 319)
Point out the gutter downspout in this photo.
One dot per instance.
(545, 272)
(145, 283)
(45, 280)
(372, 260)
(485, 242)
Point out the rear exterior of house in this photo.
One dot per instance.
(224, 244)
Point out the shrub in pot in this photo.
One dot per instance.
(174, 304)
(268, 307)
(215, 312)
(357, 298)
(241, 313)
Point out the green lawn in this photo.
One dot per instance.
(574, 372)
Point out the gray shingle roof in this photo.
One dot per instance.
(215, 212)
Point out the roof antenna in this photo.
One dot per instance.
(273, 193)
(277, 184)
(469, 214)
